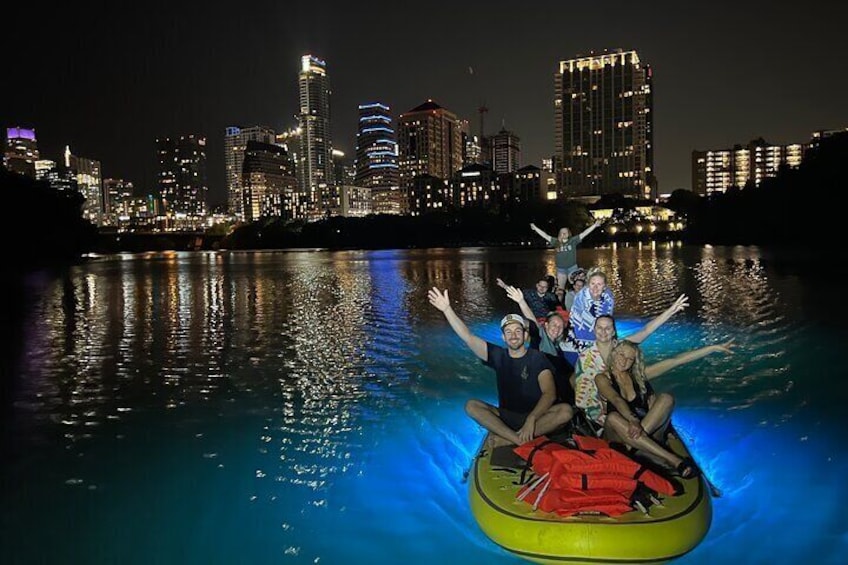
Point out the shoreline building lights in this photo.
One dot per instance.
(603, 125)
(478, 185)
(718, 170)
(532, 184)
(235, 144)
(377, 158)
(316, 160)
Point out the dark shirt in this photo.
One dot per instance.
(562, 368)
(518, 378)
(540, 305)
(639, 404)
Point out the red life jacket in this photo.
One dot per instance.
(567, 502)
(591, 477)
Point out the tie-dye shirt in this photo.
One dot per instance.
(586, 396)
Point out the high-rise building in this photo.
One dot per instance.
(290, 141)
(429, 143)
(604, 125)
(181, 175)
(377, 158)
(268, 181)
(717, 170)
(506, 151)
(471, 149)
(316, 147)
(117, 201)
(43, 168)
(344, 171)
(90, 184)
(235, 144)
(21, 151)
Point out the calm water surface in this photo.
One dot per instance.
(307, 407)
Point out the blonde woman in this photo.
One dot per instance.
(636, 415)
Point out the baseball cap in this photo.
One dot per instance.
(514, 319)
(578, 274)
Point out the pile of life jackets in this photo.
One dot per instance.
(587, 476)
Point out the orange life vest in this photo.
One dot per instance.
(590, 477)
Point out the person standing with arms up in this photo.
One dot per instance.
(566, 249)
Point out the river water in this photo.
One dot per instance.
(307, 406)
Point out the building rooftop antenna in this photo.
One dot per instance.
(481, 109)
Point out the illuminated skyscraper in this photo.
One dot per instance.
(429, 143)
(21, 151)
(604, 125)
(377, 158)
(89, 177)
(506, 151)
(181, 175)
(235, 144)
(316, 164)
(117, 201)
(268, 181)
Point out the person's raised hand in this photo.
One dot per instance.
(514, 294)
(439, 299)
(679, 304)
(726, 347)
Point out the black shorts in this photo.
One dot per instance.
(513, 419)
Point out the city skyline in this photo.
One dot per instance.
(110, 87)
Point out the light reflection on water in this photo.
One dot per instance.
(266, 407)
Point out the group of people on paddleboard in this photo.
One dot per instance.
(562, 361)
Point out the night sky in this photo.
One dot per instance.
(107, 78)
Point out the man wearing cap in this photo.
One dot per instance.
(526, 391)
(546, 335)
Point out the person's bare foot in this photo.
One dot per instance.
(497, 441)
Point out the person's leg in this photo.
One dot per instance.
(659, 414)
(562, 278)
(557, 416)
(615, 429)
(487, 416)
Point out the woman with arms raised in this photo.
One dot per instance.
(566, 249)
(636, 415)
